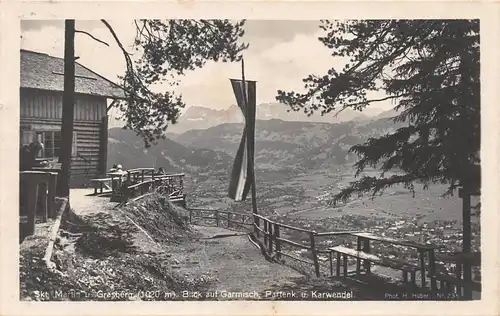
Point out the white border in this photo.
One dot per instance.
(12, 11)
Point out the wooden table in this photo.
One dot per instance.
(363, 244)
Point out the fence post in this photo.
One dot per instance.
(271, 237)
(228, 220)
(181, 184)
(277, 241)
(314, 252)
(217, 217)
(458, 272)
(265, 232)
(190, 216)
(331, 262)
(255, 225)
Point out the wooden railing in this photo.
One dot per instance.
(274, 241)
(36, 199)
(225, 219)
(142, 181)
(449, 283)
(270, 232)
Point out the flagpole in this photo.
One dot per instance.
(251, 160)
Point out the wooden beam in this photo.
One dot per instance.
(68, 108)
(111, 105)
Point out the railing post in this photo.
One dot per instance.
(265, 232)
(432, 270)
(256, 223)
(181, 184)
(422, 267)
(366, 248)
(271, 236)
(314, 252)
(277, 241)
(458, 272)
(337, 269)
(142, 175)
(358, 261)
(190, 216)
(331, 262)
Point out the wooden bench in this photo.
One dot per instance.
(100, 184)
(345, 252)
(424, 250)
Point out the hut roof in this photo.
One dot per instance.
(45, 72)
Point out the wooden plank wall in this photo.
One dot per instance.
(88, 125)
(103, 159)
(48, 104)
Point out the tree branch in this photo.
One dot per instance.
(91, 36)
(126, 54)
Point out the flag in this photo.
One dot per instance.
(240, 181)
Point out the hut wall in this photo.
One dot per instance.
(41, 111)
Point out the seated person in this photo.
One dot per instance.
(28, 154)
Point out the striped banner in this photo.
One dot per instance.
(240, 182)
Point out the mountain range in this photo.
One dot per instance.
(279, 145)
(127, 149)
(197, 117)
(284, 144)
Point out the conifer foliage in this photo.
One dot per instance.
(430, 70)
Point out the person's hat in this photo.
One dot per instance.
(119, 167)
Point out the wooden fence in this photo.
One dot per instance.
(37, 192)
(268, 231)
(225, 219)
(271, 234)
(143, 181)
(274, 241)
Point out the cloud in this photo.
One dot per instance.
(107, 61)
(275, 63)
(281, 65)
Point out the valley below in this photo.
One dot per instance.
(299, 167)
(301, 199)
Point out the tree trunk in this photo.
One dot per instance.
(68, 108)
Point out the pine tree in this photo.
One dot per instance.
(430, 70)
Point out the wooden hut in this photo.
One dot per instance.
(41, 92)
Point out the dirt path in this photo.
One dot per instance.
(189, 260)
(235, 262)
(227, 264)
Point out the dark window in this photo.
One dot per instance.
(51, 142)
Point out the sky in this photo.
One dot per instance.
(280, 55)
